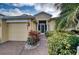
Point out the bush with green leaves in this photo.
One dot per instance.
(31, 41)
(62, 43)
(33, 38)
(48, 33)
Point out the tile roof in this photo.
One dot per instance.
(43, 13)
(24, 16)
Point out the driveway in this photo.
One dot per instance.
(17, 48)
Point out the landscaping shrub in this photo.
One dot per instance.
(62, 43)
(48, 33)
(33, 38)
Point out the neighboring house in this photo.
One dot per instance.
(16, 28)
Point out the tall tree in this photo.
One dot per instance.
(68, 16)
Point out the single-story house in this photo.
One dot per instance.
(16, 28)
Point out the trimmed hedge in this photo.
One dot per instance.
(62, 43)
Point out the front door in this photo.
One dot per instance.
(42, 27)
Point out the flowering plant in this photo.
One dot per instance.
(33, 38)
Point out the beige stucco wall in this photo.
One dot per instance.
(32, 26)
(51, 25)
(0, 30)
(3, 31)
(42, 17)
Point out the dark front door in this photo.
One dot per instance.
(42, 27)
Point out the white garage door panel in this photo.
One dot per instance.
(18, 32)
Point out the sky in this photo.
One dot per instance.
(16, 9)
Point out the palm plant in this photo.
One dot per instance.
(68, 16)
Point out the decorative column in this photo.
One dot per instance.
(37, 25)
(47, 25)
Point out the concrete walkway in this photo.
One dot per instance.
(40, 50)
(17, 48)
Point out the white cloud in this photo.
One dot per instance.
(22, 4)
(12, 12)
(47, 7)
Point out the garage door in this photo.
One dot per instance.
(17, 31)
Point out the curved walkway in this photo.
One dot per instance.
(40, 50)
